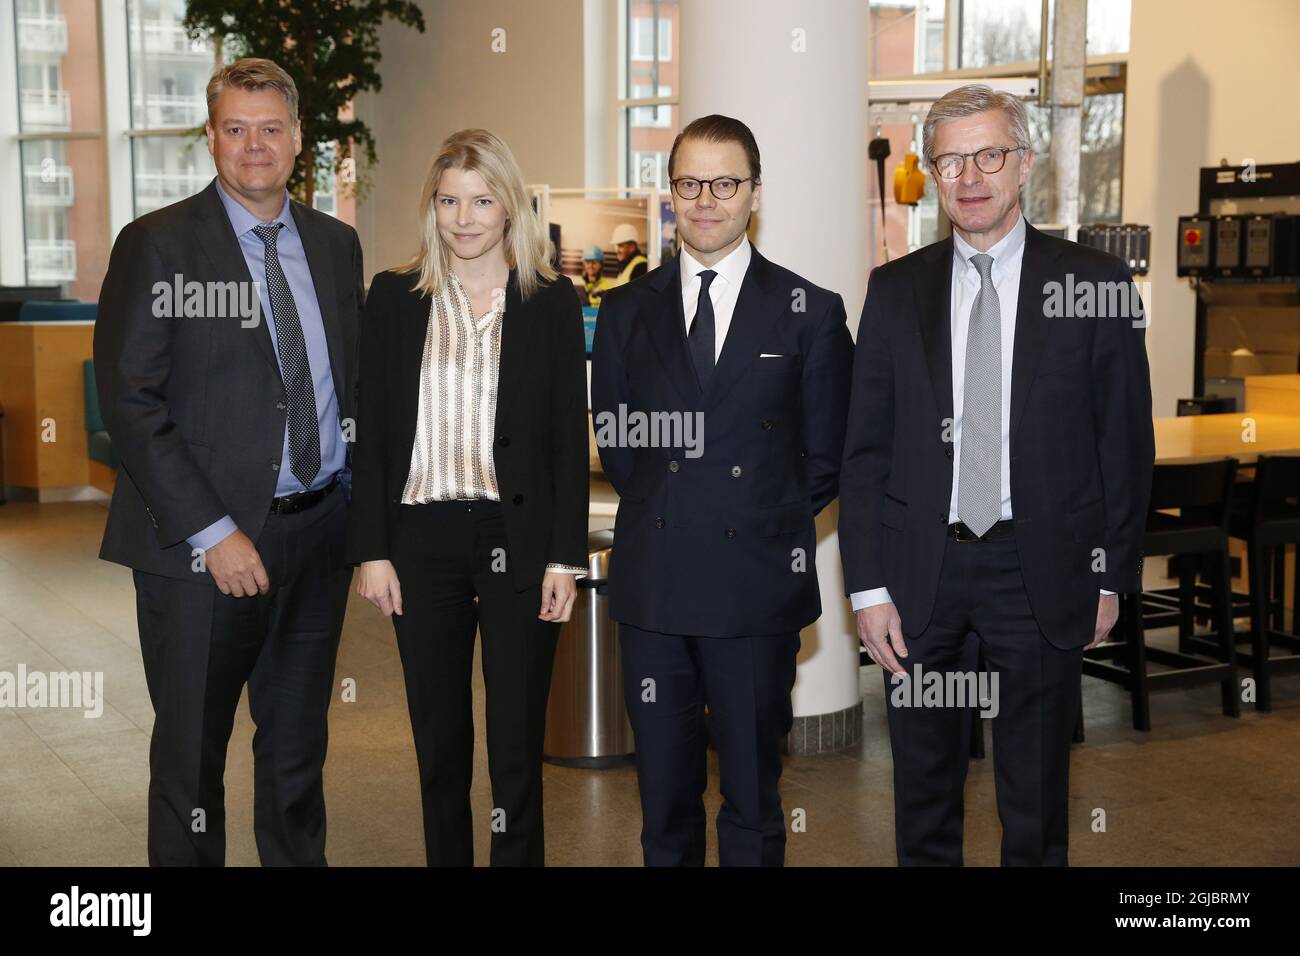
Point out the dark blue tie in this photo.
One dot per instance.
(295, 370)
(702, 334)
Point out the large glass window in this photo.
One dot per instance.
(909, 38)
(169, 77)
(65, 212)
(650, 66)
(905, 37)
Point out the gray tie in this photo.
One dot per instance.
(979, 481)
(295, 368)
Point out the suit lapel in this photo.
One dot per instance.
(322, 279)
(1031, 324)
(933, 291)
(756, 311)
(666, 323)
(218, 242)
(413, 327)
(517, 327)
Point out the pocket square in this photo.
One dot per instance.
(770, 355)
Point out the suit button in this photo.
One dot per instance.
(765, 425)
(518, 499)
(503, 441)
(659, 522)
(943, 518)
(281, 406)
(731, 532)
(948, 452)
(673, 466)
(275, 466)
(735, 471)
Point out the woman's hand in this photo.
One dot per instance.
(378, 584)
(559, 591)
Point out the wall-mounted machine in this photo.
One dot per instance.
(1241, 249)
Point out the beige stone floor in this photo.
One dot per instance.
(1199, 789)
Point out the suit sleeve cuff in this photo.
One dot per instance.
(871, 598)
(213, 534)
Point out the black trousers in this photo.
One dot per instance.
(982, 605)
(453, 566)
(200, 648)
(668, 680)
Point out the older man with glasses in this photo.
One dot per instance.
(996, 474)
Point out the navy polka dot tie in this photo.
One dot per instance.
(295, 370)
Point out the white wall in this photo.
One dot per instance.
(1206, 81)
(449, 78)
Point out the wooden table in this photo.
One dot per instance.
(1243, 435)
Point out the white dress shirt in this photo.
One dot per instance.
(723, 291)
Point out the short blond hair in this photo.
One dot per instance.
(967, 101)
(253, 74)
(527, 246)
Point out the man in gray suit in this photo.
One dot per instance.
(225, 353)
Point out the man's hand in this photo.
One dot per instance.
(378, 584)
(881, 632)
(559, 591)
(236, 567)
(1107, 615)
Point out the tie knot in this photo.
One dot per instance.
(267, 232)
(983, 263)
(706, 279)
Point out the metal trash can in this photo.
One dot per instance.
(586, 717)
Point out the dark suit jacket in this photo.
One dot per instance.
(540, 454)
(195, 406)
(709, 546)
(1082, 447)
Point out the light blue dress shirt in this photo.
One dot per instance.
(293, 260)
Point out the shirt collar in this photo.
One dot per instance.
(731, 267)
(244, 221)
(1004, 251)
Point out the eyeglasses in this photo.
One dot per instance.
(723, 188)
(989, 160)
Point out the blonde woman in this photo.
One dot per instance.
(470, 489)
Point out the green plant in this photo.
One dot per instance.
(331, 49)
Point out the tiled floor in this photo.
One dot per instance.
(1199, 789)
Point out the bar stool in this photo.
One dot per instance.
(1268, 525)
(1200, 490)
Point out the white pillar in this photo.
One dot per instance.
(796, 73)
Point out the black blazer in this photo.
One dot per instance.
(1082, 445)
(540, 454)
(723, 544)
(195, 406)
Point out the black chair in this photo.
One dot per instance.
(1270, 523)
(1200, 491)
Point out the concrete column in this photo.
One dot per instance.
(796, 73)
(1069, 57)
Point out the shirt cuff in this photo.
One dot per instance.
(213, 534)
(871, 598)
(567, 569)
(1104, 591)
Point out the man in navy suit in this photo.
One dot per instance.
(997, 472)
(719, 387)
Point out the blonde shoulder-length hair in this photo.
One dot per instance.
(527, 245)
